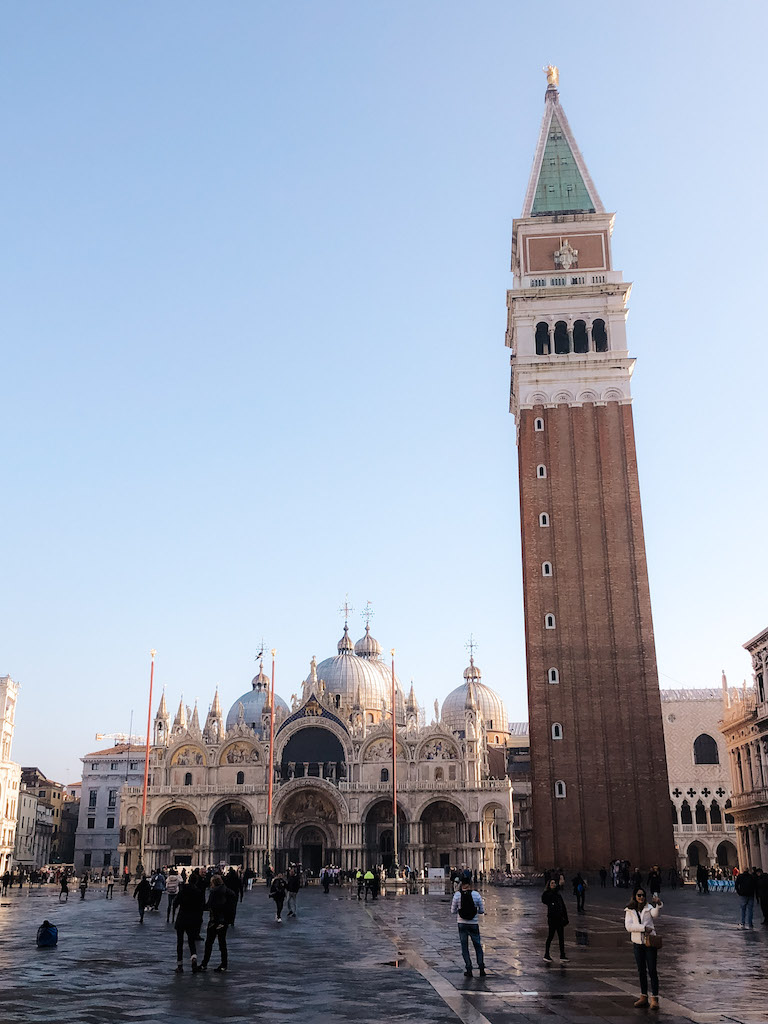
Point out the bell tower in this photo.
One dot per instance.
(599, 774)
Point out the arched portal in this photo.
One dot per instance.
(443, 829)
(380, 834)
(697, 854)
(177, 831)
(231, 832)
(308, 825)
(727, 855)
(315, 752)
(494, 836)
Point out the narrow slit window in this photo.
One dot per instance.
(553, 675)
(541, 472)
(560, 790)
(546, 568)
(549, 621)
(557, 731)
(543, 519)
(538, 423)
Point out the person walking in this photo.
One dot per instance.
(125, 880)
(234, 883)
(745, 889)
(64, 882)
(83, 885)
(188, 906)
(292, 885)
(468, 904)
(110, 885)
(325, 880)
(761, 893)
(603, 877)
(702, 880)
(368, 880)
(557, 919)
(222, 904)
(172, 885)
(143, 895)
(277, 893)
(580, 892)
(158, 888)
(360, 879)
(640, 922)
(654, 881)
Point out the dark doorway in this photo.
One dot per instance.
(183, 860)
(445, 860)
(312, 857)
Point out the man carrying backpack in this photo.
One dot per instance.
(468, 904)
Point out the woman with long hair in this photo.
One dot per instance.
(640, 922)
(557, 918)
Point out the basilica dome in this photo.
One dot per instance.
(369, 649)
(488, 701)
(348, 675)
(253, 703)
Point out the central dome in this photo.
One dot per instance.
(351, 676)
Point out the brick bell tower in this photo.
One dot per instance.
(599, 773)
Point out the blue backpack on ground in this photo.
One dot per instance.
(47, 935)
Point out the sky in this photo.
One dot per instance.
(252, 357)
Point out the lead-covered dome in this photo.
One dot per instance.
(253, 703)
(348, 675)
(488, 702)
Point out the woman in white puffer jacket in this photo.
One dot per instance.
(639, 920)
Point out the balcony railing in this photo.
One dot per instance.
(406, 786)
(713, 827)
(754, 798)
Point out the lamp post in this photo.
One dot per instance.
(271, 762)
(394, 765)
(140, 865)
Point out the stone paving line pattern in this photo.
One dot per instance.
(394, 960)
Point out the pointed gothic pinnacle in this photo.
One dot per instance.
(181, 715)
(216, 706)
(162, 708)
(195, 720)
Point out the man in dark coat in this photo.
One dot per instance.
(143, 895)
(222, 906)
(189, 904)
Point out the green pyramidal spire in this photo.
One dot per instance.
(560, 181)
(560, 188)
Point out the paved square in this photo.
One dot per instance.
(397, 959)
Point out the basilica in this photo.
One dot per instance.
(207, 799)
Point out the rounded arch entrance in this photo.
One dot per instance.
(308, 826)
(231, 833)
(313, 752)
(177, 832)
(697, 854)
(727, 855)
(494, 835)
(379, 832)
(444, 832)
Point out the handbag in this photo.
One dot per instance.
(650, 939)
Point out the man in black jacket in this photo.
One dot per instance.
(292, 885)
(222, 905)
(745, 887)
(189, 914)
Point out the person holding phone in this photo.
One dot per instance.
(640, 921)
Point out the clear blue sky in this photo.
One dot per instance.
(253, 356)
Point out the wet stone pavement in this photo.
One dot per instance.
(394, 960)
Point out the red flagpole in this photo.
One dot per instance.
(394, 761)
(152, 653)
